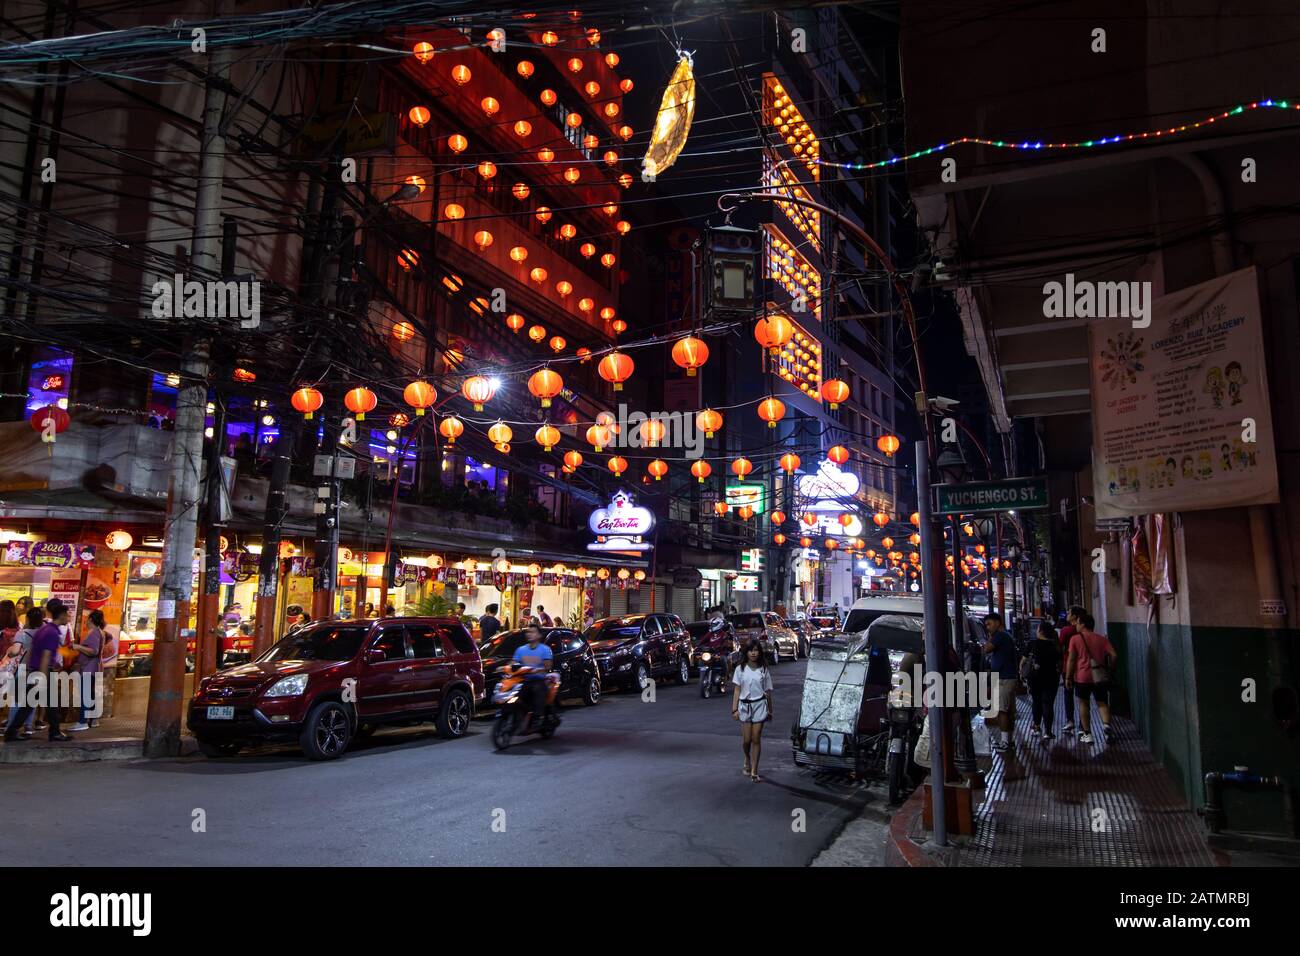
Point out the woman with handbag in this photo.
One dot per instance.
(1089, 669)
(751, 704)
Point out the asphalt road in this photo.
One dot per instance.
(626, 782)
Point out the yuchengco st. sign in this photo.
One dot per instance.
(1012, 494)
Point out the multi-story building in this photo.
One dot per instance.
(1143, 154)
(450, 213)
(813, 274)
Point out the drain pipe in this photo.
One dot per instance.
(1263, 544)
(1241, 778)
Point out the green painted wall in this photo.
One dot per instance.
(1183, 687)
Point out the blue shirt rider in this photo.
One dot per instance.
(538, 656)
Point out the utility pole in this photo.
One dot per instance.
(162, 732)
(277, 508)
(211, 625)
(932, 592)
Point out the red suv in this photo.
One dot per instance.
(327, 683)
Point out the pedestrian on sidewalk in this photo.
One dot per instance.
(1001, 651)
(16, 655)
(1067, 634)
(1089, 668)
(751, 704)
(87, 664)
(1042, 670)
(44, 658)
(488, 624)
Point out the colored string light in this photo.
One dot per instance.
(1027, 145)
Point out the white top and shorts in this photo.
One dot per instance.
(754, 683)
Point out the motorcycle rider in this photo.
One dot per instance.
(538, 656)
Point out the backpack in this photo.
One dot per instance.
(1099, 671)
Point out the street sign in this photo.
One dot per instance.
(1011, 494)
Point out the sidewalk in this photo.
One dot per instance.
(116, 738)
(1067, 804)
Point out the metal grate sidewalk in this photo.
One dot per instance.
(1075, 804)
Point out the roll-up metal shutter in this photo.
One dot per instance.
(685, 601)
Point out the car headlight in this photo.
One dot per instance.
(288, 686)
(706, 656)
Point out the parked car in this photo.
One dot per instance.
(787, 642)
(754, 624)
(574, 661)
(805, 633)
(825, 621)
(712, 637)
(403, 671)
(633, 650)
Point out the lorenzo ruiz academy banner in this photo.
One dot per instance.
(1175, 405)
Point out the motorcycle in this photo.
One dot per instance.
(713, 673)
(514, 708)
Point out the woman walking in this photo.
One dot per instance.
(751, 704)
(1043, 667)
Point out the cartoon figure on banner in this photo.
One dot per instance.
(1122, 360)
(1225, 457)
(1187, 467)
(1236, 379)
(1206, 467)
(1214, 386)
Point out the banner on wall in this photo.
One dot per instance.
(1180, 411)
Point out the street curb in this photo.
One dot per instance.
(899, 848)
(83, 751)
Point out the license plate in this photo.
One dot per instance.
(221, 713)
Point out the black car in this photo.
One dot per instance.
(573, 661)
(711, 637)
(635, 649)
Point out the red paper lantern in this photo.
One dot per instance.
(790, 462)
(545, 384)
(690, 353)
(478, 389)
(701, 470)
(835, 391)
(886, 443)
(548, 436)
(599, 436)
(359, 401)
(771, 410)
(616, 368)
(60, 420)
(658, 468)
(617, 465)
(573, 459)
(742, 467)
(773, 331)
(307, 400)
(451, 428)
(708, 421)
(420, 395)
(838, 454)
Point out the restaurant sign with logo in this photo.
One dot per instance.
(621, 525)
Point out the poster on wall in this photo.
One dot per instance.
(1180, 411)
